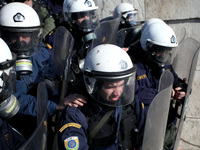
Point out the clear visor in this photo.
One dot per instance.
(131, 18)
(22, 42)
(85, 21)
(160, 54)
(112, 92)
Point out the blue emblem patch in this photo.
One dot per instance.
(173, 39)
(88, 3)
(71, 143)
(123, 65)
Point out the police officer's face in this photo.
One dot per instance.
(25, 37)
(111, 91)
(83, 18)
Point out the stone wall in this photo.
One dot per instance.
(181, 15)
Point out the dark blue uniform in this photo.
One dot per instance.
(147, 75)
(26, 85)
(147, 84)
(76, 125)
(9, 138)
(25, 121)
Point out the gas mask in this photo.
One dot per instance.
(22, 43)
(84, 21)
(9, 105)
(159, 56)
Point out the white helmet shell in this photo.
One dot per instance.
(99, 59)
(5, 56)
(160, 34)
(73, 6)
(109, 63)
(5, 52)
(150, 21)
(18, 14)
(122, 8)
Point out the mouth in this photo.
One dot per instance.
(114, 98)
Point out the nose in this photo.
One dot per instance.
(86, 17)
(20, 38)
(116, 91)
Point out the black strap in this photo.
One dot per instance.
(99, 125)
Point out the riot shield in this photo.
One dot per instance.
(38, 140)
(63, 45)
(157, 115)
(185, 65)
(106, 32)
(180, 36)
(128, 36)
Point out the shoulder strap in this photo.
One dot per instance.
(27, 80)
(100, 124)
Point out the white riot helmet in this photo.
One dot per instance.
(150, 21)
(21, 30)
(9, 105)
(109, 75)
(158, 39)
(76, 9)
(128, 14)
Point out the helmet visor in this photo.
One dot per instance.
(112, 92)
(22, 42)
(131, 18)
(160, 54)
(85, 21)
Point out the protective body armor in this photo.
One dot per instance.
(123, 134)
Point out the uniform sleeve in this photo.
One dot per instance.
(146, 94)
(26, 85)
(28, 103)
(141, 113)
(73, 130)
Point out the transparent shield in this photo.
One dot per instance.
(38, 140)
(63, 44)
(128, 36)
(180, 36)
(106, 32)
(157, 115)
(185, 65)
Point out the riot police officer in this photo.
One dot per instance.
(129, 27)
(80, 20)
(22, 31)
(153, 54)
(129, 15)
(112, 116)
(9, 105)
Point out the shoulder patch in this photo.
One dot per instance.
(141, 77)
(70, 125)
(71, 143)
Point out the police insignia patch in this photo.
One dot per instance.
(18, 17)
(123, 65)
(173, 39)
(71, 143)
(88, 3)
